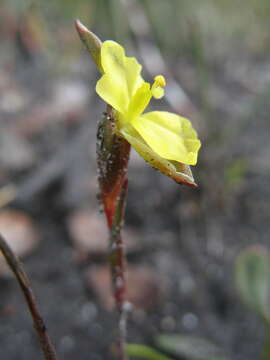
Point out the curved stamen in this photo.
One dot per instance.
(157, 87)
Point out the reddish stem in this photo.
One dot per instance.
(112, 157)
(117, 259)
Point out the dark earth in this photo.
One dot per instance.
(183, 241)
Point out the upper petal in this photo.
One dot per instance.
(112, 92)
(169, 135)
(133, 75)
(122, 76)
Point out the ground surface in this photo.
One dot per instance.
(182, 242)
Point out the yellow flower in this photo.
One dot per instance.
(166, 140)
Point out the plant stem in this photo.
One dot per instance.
(118, 264)
(39, 325)
(112, 159)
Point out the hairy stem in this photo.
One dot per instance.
(112, 158)
(39, 325)
(118, 264)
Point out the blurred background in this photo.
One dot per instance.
(182, 243)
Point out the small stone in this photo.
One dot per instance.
(168, 323)
(99, 278)
(15, 152)
(69, 100)
(145, 288)
(67, 343)
(13, 98)
(18, 230)
(89, 234)
(190, 321)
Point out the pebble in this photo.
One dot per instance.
(145, 288)
(19, 231)
(89, 234)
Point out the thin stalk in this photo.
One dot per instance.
(117, 258)
(39, 325)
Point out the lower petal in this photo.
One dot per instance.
(169, 135)
(179, 172)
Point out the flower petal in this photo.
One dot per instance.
(169, 135)
(139, 101)
(179, 172)
(112, 92)
(133, 75)
(122, 76)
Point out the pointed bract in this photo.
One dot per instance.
(91, 42)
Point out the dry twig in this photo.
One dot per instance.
(39, 325)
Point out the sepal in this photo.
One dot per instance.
(91, 42)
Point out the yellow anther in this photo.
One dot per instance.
(157, 92)
(157, 88)
(160, 81)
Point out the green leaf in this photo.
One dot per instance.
(252, 272)
(190, 347)
(145, 352)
